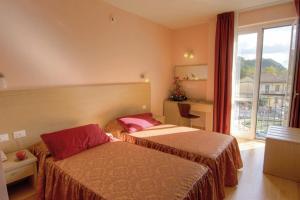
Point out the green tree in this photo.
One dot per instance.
(272, 70)
(248, 71)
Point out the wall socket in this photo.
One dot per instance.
(19, 134)
(4, 137)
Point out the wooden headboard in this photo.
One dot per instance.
(49, 109)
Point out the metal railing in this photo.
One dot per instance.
(271, 111)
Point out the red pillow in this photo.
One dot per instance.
(65, 143)
(133, 123)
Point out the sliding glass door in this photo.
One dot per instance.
(261, 80)
(244, 76)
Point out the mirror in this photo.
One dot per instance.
(191, 72)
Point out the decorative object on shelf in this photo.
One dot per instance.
(189, 54)
(191, 72)
(2, 81)
(21, 155)
(177, 94)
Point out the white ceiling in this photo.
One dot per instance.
(182, 13)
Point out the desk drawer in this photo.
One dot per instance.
(19, 173)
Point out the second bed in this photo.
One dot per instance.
(218, 151)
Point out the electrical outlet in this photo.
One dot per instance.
(4, 137)
(19, 134)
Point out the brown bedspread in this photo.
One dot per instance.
(119, 170)
(218, 151)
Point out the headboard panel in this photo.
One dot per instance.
(50, 109)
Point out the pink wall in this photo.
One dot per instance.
(268, 14)
(200, 39)
(195, 38)
(48, 43)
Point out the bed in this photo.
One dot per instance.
(120, 170)
(217, 151)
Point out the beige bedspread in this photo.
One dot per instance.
(119, 170)
(218, 151)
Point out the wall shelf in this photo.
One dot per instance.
(197, 72)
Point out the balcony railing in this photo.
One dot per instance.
(272, 110)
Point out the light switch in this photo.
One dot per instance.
(19, 134)
(4, 137)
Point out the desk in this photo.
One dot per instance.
(202, 108)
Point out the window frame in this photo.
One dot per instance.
(259, 29)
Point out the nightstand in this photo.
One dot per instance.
(15, 170)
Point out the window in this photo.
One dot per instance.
(267, 89)
(261, 87)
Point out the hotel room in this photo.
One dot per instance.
(156, 100)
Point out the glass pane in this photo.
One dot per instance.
(243, 81)
(273, 102)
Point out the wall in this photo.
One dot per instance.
(267, 14)
(49, 43)
(200, 39)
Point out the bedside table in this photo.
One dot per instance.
(15, 170)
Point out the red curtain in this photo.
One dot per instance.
(223, 72)
(295, 109)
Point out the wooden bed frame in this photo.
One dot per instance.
(48, 109)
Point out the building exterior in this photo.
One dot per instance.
(272, 101)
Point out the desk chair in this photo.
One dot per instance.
(184, 110)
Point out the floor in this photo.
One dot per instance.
(253, 184)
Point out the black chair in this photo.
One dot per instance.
(184, 110)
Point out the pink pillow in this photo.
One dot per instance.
(134, 123)
(65, 143)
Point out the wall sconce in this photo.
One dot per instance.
(2, 82)
(112, 18)
(189, 54)
(144, 77)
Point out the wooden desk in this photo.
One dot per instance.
(202, 108)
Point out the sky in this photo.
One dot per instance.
(276, 44)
